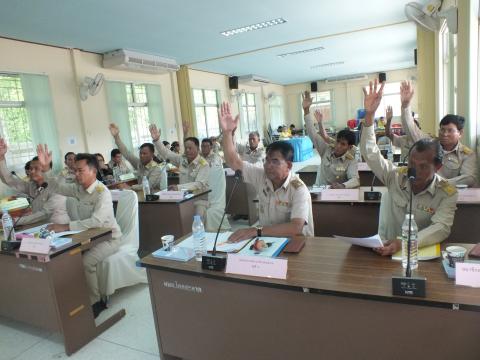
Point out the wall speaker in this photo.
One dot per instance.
(313, 87)
(233, 82)
(382, 77)
(415, 56)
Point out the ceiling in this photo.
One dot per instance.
(368, 36)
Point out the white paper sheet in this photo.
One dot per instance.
(370, 242)
(222, 244)
(37, 229)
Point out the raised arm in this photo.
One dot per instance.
(164, 152)
(228, 125)
(132, 159)
(6, 175)
(411, 129)
(317, 140)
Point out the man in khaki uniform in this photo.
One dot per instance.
(284, 200)
(193, 168)
(459, 161)
(209, 153)
(94, 209)
(45, 204)
(400, 141)
(145, 165)
(338, 167)
(68, 173)
(434, 199)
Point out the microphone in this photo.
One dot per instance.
(213, 261)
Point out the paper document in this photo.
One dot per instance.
(425, 253)
(370, 242)
(37, 229)
(222, 244)
(275, 246)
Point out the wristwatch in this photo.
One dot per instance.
(259, 230)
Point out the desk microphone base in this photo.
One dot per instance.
(372, 195)
(214, 262)
(409, 286)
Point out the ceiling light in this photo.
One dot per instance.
(328, 64)
(258, 26)
(301, 51)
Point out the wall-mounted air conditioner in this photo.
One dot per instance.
(252, 80)
(346, 78)
(134, 61)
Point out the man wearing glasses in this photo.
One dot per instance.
(459, 162)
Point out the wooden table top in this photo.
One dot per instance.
(329, 266)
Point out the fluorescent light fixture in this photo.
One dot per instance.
(336, 63)
(252, 27)
(299, 52)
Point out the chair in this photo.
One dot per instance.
(216, 200)
(119, 269)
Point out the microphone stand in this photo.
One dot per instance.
(411, 177)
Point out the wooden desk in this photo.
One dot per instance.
(335, 304)
(360, 218)
(308, 174)
(158, 218)
(51, 292)
(242, 203)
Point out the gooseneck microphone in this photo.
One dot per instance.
(411, 177)
(214, 261)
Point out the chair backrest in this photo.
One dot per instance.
(127, 217)
(217, 183)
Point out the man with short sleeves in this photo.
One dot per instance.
(284, 200)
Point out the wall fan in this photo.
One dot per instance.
(91, 86)
(429, 17)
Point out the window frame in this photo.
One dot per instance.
(139, 138)
(246, 122)
(204, 105)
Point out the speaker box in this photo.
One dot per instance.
(233, 82)
(313, 87)
(415, 56)
(382, 77)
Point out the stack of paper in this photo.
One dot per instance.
(370, 242)
(222, 244)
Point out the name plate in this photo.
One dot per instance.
(340, 195)
(468, 195)
(35, 245)
(171, 195)
(467, 274)
(127, 177)
(275, 268)
(363, 166)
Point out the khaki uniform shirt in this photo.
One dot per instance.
(67, 175)
(194, 175)
(404, 143)
(291, 201)
(45, 204)
(214, 159)
(332, 169)
(256, 157)
(459, 165)
(155, 172)
(433, 208)
(93, 206)
(121, 168)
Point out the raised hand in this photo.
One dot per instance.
(3, 148)
(154, 132)
(186, 128)
(389, 113)
(44, 157)
(307, 101)
(318, 116)
(114, 130)
(372, 100)
(227, 122)
(406, 93)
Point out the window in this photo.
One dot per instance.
(391, 97)
(322, 101)
(206, 113)
(138, 114)
(277, 116)
(14, 124)
(248, 113)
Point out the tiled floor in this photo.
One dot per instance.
(131, 338)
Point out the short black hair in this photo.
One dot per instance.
(192, 139)
(207, 140)
(174, 145)
(114, 153)
(347, 135)
(457, 120)
(285, 148)
(165, 143)
(35, 158)
(68, 153)
(98, 154)
(27, 165)
(429, 144)
(149, 146)
(90, 159)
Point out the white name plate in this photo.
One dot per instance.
(35, 245)
(467, 274)
(468, 195)
(268, 267)
(340, 195)
(363, 166)
(171, 195)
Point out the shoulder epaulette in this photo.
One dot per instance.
(447, 187)
(296, 183)
(202, 161)
(466, 150)
(349, 156)
(403, 170)
(99, 189)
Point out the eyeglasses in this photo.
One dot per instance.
(447, 131)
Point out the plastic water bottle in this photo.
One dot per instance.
(164, 178)
(413, 242)
(7, 223)
(146, 186)
(390, 153)
(358, 156)
(199, 242)
(116, 176)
